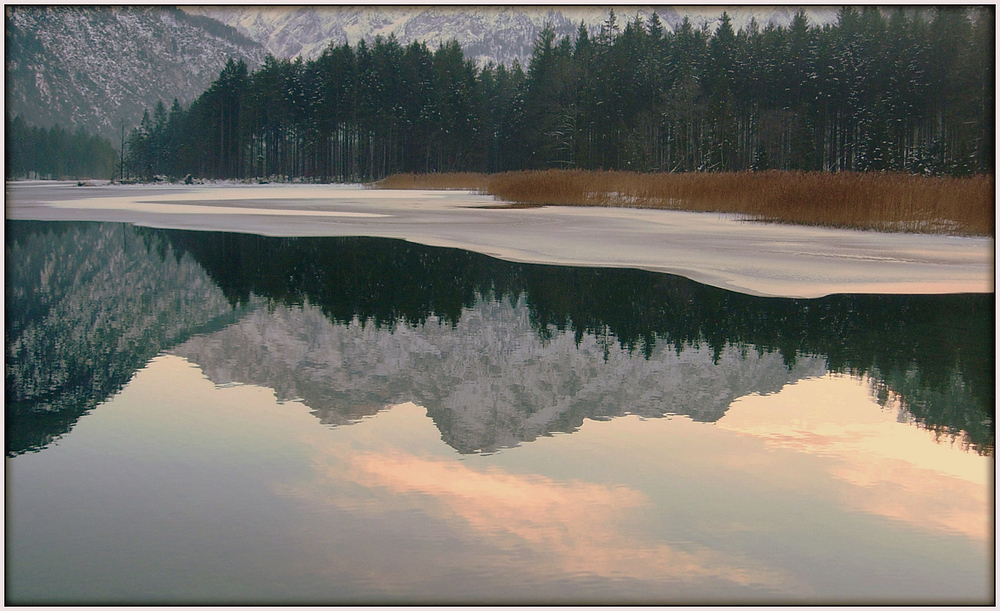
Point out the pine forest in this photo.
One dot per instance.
(898, 89)
(39, 152)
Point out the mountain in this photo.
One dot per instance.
(498, 33)
(90, 67)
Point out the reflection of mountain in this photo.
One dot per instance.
(488, 381)
(924, 340)
(498, 352)
(86, 305)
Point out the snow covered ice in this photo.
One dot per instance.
(719, 250)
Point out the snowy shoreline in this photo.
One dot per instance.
(719, 250)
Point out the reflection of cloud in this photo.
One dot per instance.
(892, 469)
(576, 521)
(579, 528)
(897, 490)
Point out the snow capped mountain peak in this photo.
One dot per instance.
(497, 33)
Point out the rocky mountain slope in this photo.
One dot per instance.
(90, 67)
(498, 33)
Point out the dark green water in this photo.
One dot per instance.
(206, 417)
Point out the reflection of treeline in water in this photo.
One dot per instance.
(87, 305)
(924, 348)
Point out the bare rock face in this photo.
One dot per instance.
(489, 381)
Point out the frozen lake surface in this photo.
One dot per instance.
(718, 250)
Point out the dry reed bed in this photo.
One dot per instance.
(883, 202)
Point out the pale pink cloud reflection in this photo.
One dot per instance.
(881, 466)
(575, 527)
(575, 521)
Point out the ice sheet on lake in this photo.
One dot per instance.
(719, 250)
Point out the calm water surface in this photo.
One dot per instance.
(198, 417)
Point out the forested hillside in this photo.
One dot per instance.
(881, 89)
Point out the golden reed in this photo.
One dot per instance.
(874, 201)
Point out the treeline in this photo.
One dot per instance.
(899, 89)
(39, 152)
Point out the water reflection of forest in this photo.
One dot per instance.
(89, 304)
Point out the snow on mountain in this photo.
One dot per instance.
(498, 33)
(92, 66)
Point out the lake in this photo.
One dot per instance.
(198, 417)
